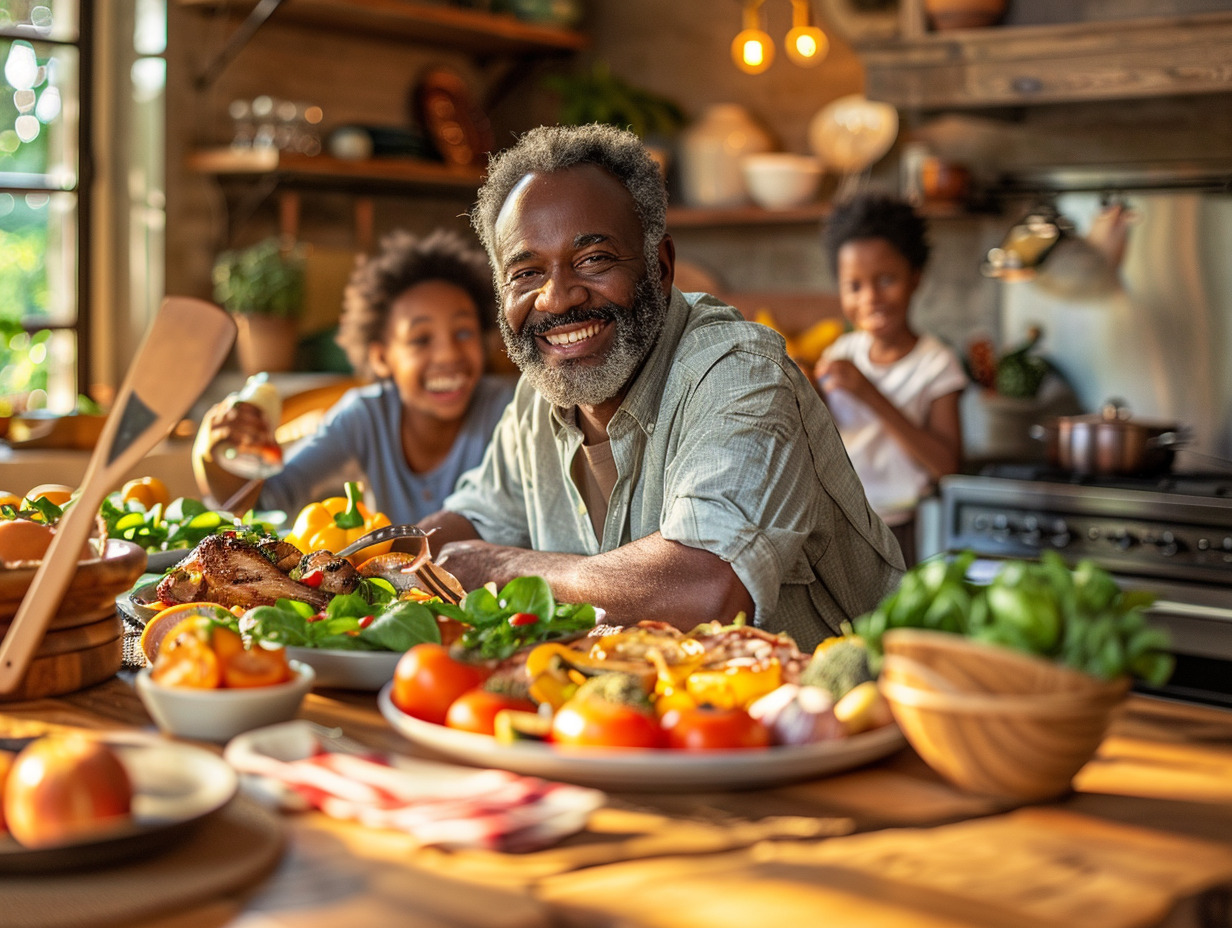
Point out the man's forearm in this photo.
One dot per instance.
(651, 578)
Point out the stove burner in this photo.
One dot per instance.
(1211, 484)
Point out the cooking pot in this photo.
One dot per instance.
(1109, 443)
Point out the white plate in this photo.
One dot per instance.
(174, 785)
(348, 670)
(634, 769)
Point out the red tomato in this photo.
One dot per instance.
(476, 710)
(598, 723)
(427, 680)
(707, 728)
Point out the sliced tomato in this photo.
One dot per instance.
(255, 667)
(186, 660)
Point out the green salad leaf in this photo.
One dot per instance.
(349, 623)
(496, 631)
(183, 524)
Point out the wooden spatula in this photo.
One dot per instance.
(182, 351)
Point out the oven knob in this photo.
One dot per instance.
(1204, 544)
(1031, 537)
(1124, 540)
(1060, 539)
(1167, 544)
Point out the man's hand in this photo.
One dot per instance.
(651, 578)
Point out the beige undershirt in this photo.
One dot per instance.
(594, 472)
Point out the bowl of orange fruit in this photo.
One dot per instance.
(207, 683)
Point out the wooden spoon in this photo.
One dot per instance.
(182, 351)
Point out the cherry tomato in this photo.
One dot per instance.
(707, 728)
(427, 680)
(475, 710)
(598, 723)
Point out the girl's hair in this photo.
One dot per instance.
(547, 149)
(877, 215)
(403, 261)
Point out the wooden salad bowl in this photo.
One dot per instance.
(994, 721)
(84, 642)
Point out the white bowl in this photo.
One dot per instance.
(221, 714)
(348, 670)
(781, 180)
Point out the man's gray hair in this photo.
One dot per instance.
(547, 149)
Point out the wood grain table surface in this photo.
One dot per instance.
(1145, 839)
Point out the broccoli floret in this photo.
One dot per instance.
(838, 668)
(622, 688)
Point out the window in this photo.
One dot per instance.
(45, 125)
(82, 212)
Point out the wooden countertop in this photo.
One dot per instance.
(1145, 839)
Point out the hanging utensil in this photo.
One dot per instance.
(182, 351)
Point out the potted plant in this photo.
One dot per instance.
(263, 287)
(600, 96)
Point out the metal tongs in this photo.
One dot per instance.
(434, 580)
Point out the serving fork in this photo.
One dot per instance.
(433, 579)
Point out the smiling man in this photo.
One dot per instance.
(662, 458)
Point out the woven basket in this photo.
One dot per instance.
(991, 720)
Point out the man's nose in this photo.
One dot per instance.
(561, 291)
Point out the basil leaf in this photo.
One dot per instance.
(401, 627)
(528, 594)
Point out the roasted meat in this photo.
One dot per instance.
(234, 572)
(338, 575)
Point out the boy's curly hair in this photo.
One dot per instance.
(877, 215)
(403, 261)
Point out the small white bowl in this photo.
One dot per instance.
(781, 180)
(221, 714)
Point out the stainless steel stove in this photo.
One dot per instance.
(1171, 535)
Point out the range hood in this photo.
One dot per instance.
(1014, 66)
(1213, 176)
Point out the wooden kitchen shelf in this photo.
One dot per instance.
(1062, 63)
(692, 217)
(472, 31)
(288, 169)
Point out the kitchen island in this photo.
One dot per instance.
(1145, 839)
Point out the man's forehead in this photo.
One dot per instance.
(580, 186)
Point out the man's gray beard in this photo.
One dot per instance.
(573, 383)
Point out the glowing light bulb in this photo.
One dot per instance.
(807, 46)
(753, 51)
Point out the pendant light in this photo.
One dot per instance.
(806, 45)
(752, 49)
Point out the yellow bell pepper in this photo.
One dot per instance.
(334, 523)
(733, 687)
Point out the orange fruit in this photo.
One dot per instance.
(163, 624)
(56, 493)
(23, 540)
(10, 499)
(148, 491)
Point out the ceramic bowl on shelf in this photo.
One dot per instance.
(220, 714)
(781, 180)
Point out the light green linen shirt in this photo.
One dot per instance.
(721, 444)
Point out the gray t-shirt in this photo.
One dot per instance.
(721, 444)
(361, 438)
